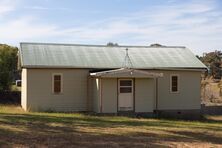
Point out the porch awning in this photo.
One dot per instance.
(126, 73)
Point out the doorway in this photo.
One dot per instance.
(125, 94)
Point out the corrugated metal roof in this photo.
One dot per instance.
(40, 55)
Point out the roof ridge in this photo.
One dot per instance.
(91, 45)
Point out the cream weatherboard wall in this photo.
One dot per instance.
(144, 95)
(188, 96)
(109, 95)
(39, 90)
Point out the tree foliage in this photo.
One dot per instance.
(213, 61)
(156, 45)
(112, 44)
(8, 65)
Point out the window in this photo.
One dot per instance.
(174, 83)
(125, 86)
(57, 83)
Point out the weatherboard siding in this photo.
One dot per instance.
(109, 95)
(188, 96)
(144, 95)
(81, 94)
(41, 98)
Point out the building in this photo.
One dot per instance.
(110, 79)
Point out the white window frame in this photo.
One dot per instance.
(178, 83)
(61, 75)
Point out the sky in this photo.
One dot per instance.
(196, 24)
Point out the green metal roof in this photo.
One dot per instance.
(48, 55)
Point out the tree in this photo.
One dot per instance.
(213, 61)
(112, 44)
(156, 45)
(8, 65)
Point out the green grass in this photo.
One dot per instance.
(20, 129)
(15, 88)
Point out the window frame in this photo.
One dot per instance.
(178, 83)
(53, 83)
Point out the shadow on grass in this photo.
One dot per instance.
(199, 136)
(78, 139)
(49, 129)
(97, 121)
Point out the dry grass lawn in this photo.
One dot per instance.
(21, 129)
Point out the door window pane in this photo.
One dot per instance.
(125, 89)
(125, 82)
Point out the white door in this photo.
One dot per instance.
(125, 98)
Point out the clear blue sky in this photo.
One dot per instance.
(196, 24)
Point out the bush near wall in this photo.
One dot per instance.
(8, 66)
(8, 97)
